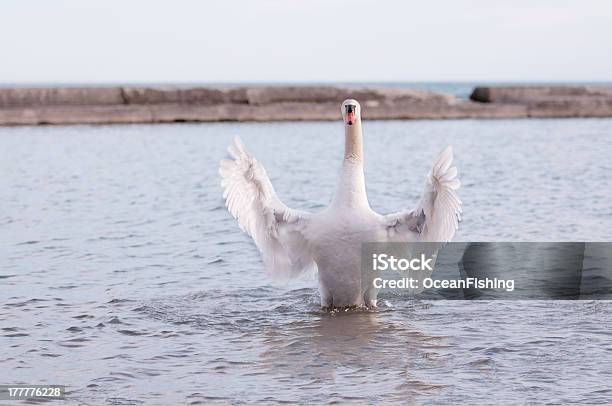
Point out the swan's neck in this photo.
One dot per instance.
(353, 142)
(351, 191)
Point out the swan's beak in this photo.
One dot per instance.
(350, 114)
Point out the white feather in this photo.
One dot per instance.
(276, 229)
(438, 212)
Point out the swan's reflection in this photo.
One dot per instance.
(372, 349)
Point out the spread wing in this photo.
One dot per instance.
(277, 230)
(437, 215)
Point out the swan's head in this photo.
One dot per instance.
(351, 111)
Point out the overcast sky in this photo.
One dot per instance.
(131, 41)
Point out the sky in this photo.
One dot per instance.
(234, 41)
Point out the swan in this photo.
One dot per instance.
(292, 242)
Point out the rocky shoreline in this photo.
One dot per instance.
(113, 105)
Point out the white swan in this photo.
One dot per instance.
(293, 241)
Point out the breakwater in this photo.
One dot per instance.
(108, 105)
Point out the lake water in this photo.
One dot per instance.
(125, 279)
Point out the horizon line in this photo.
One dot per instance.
(293, 82)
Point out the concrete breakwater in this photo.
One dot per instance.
(106, 105)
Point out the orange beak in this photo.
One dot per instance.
(350, 117)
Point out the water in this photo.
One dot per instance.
(124, 278)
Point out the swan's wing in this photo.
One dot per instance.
(277, 230)
(437, 216)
